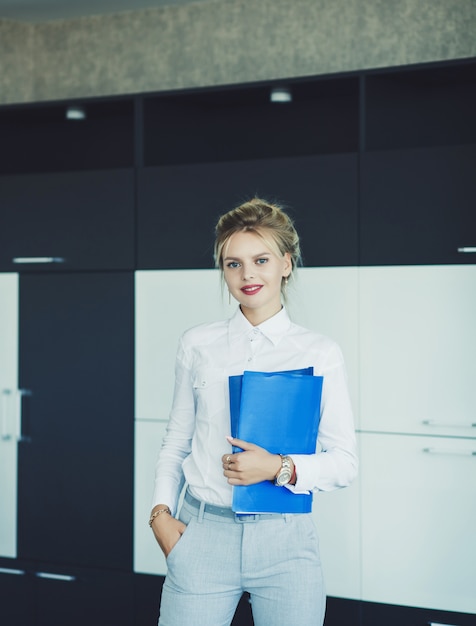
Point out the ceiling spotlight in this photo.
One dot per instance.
(75, 113)
(281, 94)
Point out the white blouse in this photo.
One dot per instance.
(199, 422)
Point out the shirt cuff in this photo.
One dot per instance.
(300, 486)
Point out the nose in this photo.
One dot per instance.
(247, 273)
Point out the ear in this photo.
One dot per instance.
(288, 265)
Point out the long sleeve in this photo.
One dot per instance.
(335, 463)
(176, 445)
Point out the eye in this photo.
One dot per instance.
(262, 261)
(233, 264)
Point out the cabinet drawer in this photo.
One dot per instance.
(320, 191)
(417, 206)
(417, 350)
(78, 597)
(16, 588)
(67, 221)
(41, 594)
(418, 514)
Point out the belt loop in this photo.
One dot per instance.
(201, 511)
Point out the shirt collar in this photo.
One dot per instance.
(273, 329)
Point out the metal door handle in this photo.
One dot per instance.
(6, 434)
(37, 259)
(7, 399)
(13, 572)
(443, 425)
(50, 576)
(467, 249)
(450, 452)
(20, 394)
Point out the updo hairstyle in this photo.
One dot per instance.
(268, 221)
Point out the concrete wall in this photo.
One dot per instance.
(16, 61)
(226, 41)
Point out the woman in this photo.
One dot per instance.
(212, 554)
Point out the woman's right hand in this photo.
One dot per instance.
(167, 531)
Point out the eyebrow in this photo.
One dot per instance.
(256, 256)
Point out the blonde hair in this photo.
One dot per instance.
(268, 221)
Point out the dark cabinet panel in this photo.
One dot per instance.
(79, 597)
(15, 595)
(179, 206)
(147, 594)
(64, 136)
(417, 206)
(75, 462)
(241, 122)
(420, 107)
(78, 220)
(341, 611)
(374, 614)
(48, 596)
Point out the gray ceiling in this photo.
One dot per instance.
(47, 10)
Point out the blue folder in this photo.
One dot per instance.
(279, 411)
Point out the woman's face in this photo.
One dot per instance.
(253, 274)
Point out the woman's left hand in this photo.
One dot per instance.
(251, 466)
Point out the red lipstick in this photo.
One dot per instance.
(251, 290)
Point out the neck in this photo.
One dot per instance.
(257, 317)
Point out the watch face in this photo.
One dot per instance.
(284, 477)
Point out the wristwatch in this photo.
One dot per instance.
(285, 473)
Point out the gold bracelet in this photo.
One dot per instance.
(159, 512)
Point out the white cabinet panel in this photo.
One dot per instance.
(325, 299)
(418, 521)
(148, 557)
(167, 302)
(418, 350)
(337, 517)
(8, 412)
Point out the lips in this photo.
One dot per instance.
(251, 290)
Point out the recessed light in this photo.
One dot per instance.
(75, 113)
(281, 94)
